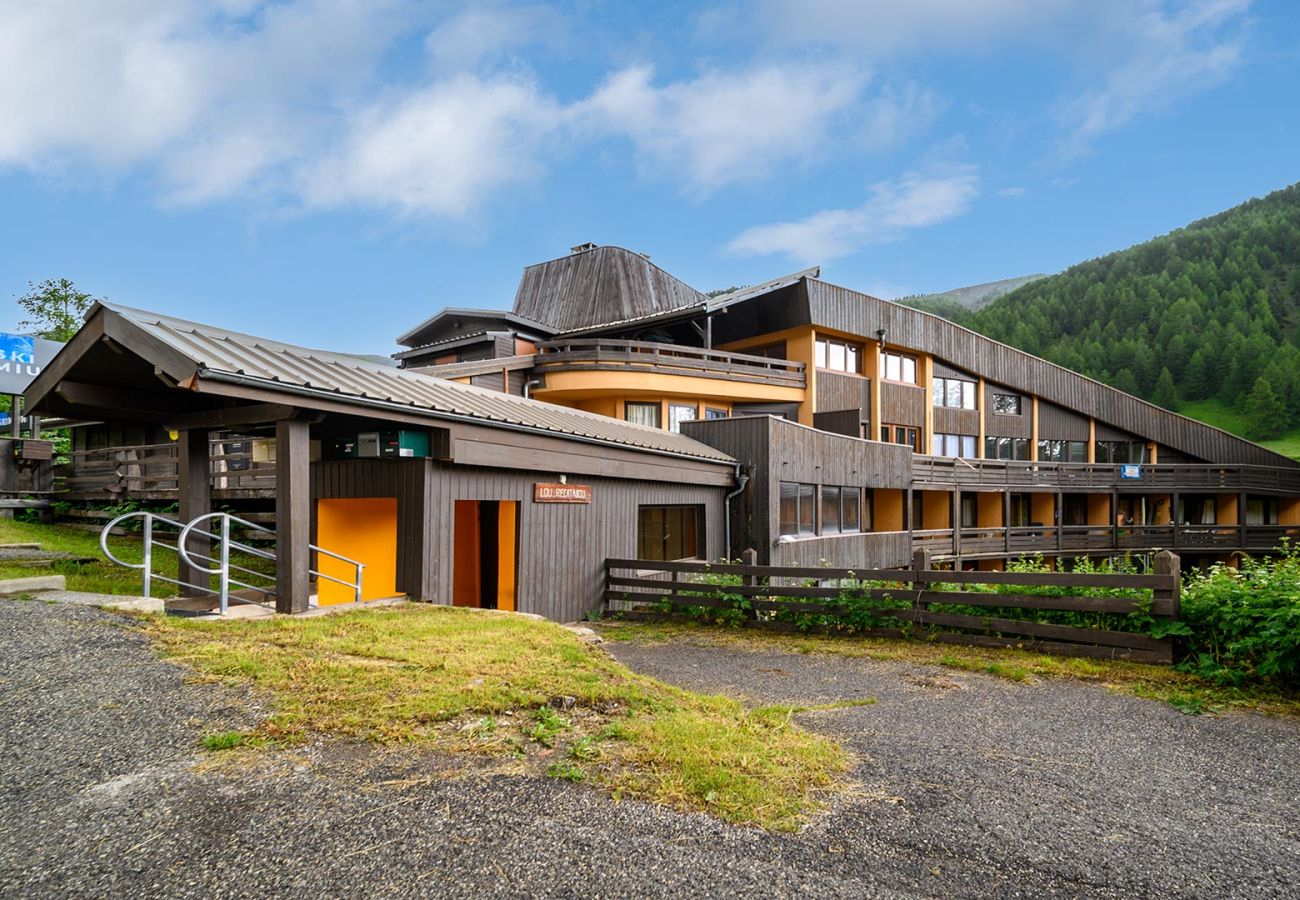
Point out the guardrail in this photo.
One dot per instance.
(151, 472)
(994, 541)
(1067, 477)
(602, 355)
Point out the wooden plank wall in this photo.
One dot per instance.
(852, 312)
(996, 425)
(837, 391)
(955, 421)
(902, 404)
(877, 550)
(562, 546)
(1058, 424)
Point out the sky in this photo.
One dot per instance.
(331, 172)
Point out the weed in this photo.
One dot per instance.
(585, 748)
(223, 740)
(567, 772)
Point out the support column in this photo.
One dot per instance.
(955, 521)
(1241, 520)
(909, 514)
(1006, 522)
(1060, 521)
(292, 515)
(193, 467)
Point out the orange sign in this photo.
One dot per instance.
(561, 493)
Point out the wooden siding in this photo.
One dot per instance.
(902, 404)
(1107, 433)
(562, 546)
(876, 550)
(773, 450)
(956, 421)
(837, 391)
(1058, 424)
(844, 421)
(943, 370)
(594, 287)
(848, 311)
(997, 425)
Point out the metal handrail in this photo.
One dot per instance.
(147, 564)
(224, 566)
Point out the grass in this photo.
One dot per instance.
(1183, 691)
(1233, 419)
(99, 576)
(459, 680)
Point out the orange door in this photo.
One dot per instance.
(363, 529)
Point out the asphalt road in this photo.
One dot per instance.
(967, 786)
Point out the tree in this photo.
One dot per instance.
(1265, 413)
(54, 308)
(1165, 394)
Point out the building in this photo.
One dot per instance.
(616, 412)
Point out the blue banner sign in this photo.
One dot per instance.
(1130, 470)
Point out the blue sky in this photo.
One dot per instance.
(331, 172)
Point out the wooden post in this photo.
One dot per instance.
(1174, 518)
(749, 557)
(1006, 521)
(1060, 520)
(292, 516)
(1241, 521)
(15, 423)
(8, 475)
(195, 484)
(1114, 520)
(955, 522)
(1167, 563)
(909, 513)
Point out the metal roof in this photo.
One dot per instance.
(222, 355)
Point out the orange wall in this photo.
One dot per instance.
(936, 509)
(1042, 508)
(1288, 511)
(364, 529)
(506, 530)
(466, 587)
(1225, 510)
(799, 347)
(1099, 510)
(887, 509)
(988, 510)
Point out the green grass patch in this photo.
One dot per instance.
(224, 740)
(1233, 418)
(460, 680)
(1153, 682)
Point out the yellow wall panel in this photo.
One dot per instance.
(364, 529)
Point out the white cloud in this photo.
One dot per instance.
(484, 33)
(438, 151)
(1170, 57)
(916, 200)
(900, 113)
(1012, 192)
(725, 127)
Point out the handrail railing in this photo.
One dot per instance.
(580, 354)
(1209, 477)
(229, 573)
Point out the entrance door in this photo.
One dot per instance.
(364, 529)
(485, 553)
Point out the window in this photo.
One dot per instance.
(1261, 510)
(670, 532)
(959, 445)
(901, 434)
(1006, 404)
(954, 392)
(1020, 510)
(839, 356)
(1121, 452)
(897, 367)
(841, 509)
(679, 413)
(642, 413)
(1063, 451)
(969, 511)
(712, 413)
(1006, 448)
(797, 513)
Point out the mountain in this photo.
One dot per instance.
(1205, 319)
(952, 304)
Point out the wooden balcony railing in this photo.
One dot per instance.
(603, 355)
(1068, 477)
(151, 472)
(1050, 540)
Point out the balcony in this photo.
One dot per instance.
(984, 474)
(993, 542)
(604, 355)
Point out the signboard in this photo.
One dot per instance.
(561, 493)
(1130, 470)
(21, 359)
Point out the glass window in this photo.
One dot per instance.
(642, 413)
(712, 413)
(679, 413)
(893, 367)
(838, 356)
(909, 369)
(807, 512)
(968, 446)
(955, 445)
(1006, 404)
(851, 517)
(968, 395)
(1121, 452)
(670, 532)
(954, 393)
(1077, 451)
(830, 509)
(898, 367)
(968, 511)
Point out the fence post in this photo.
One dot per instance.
(920, 563)
(749, 558)
(1167, 563)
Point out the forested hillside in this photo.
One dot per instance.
(1207, 317)
(976, 296)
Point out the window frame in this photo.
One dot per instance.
(675, 424)
(943, 384)
(850, 353)
(698, 531)
(644, 404)
(803, 493)
(889, 434)
(904, 361)
(1020, 404)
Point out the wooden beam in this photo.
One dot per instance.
(256, 414)
(121, 402)
(63, 361)
(194, 469)
(292, 515)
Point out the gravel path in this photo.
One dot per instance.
(968, 787)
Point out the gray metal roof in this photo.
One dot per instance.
(224, 355)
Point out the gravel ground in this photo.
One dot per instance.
(967, 786)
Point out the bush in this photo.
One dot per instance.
(1245, 622)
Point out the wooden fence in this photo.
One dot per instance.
(150, 472)
(827, 600)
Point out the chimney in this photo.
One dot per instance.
(582, 248)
